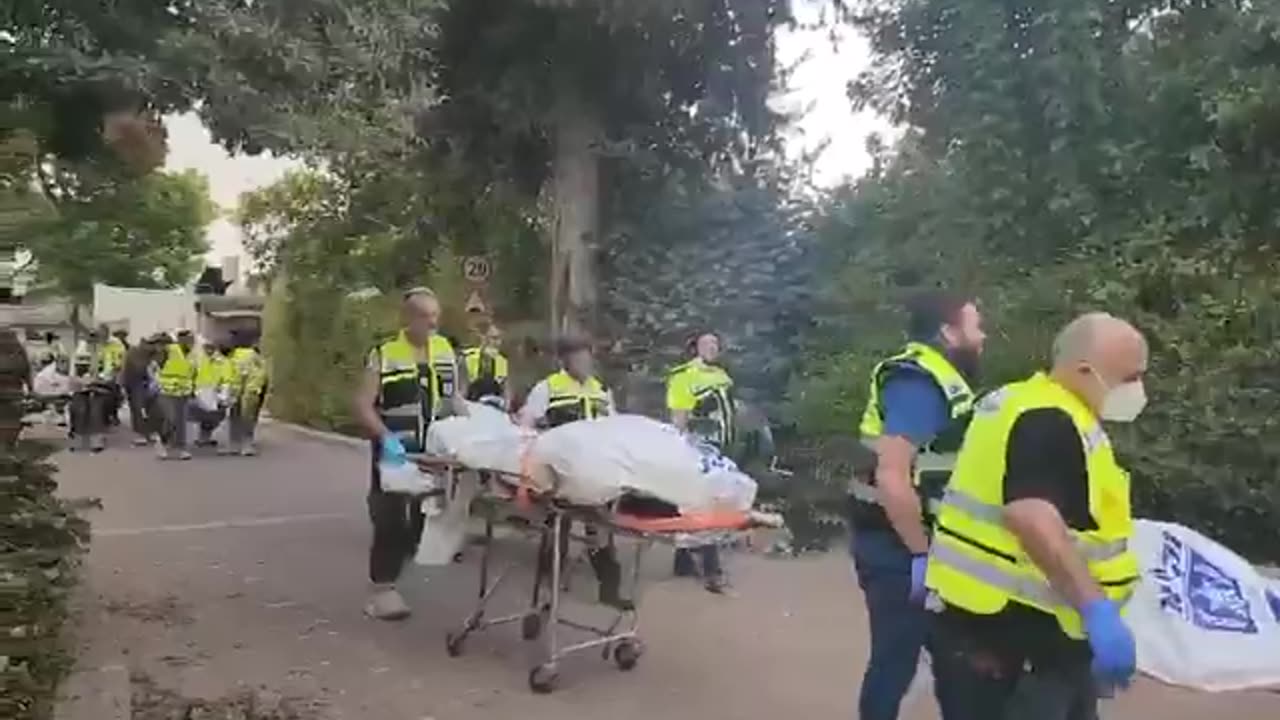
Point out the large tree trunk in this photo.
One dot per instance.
(575, 194)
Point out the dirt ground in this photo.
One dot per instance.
(232, 588)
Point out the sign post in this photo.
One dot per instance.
(476, 270)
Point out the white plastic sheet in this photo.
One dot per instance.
(444, 532)
(595, 462)
(404, 478)
(207, 399)
(484, 438)
(1202, 615)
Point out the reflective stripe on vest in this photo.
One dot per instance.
(475, 357)
(569, 400)
(922, 357)
(1088, 547)
(410, 392)
(976, 564)
(959, 398)
(713, 414)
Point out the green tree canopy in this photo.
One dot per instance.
(1060, 158)
(146, 232)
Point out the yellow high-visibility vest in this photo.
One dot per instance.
(706, 393)
(934, 462)
(177, 374)
(112, 356)
(475, 359)
(411, 393)
(250, 370)
(976, 564)
(214, 372)
(569, 400)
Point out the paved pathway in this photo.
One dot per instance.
(223, 573)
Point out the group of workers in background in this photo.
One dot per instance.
(167, 384)
(994, 532)
(417, 377)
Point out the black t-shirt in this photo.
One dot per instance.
(1044, 459)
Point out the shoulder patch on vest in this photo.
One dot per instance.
(1096, 439)
(991, 402)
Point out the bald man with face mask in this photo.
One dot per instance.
(1030, 559)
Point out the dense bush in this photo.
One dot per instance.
(42, 539)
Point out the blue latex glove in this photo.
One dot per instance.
(1115, 657)
(393, 452)
(918, 565)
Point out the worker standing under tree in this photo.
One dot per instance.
(487, 368)
(177, 377)
(214, 375)
(700, 400)
(919, 403)
(1031, 560)
(408, 382)
(248, 391)
(113, 352)
(574, 393)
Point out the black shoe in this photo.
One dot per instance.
(717, 585)
(609, 574)
(611, 596)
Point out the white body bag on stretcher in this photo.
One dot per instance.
(596, 461)
(1203, 616)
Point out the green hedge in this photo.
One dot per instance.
(42, 541)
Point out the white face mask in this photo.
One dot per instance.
(1123, 403)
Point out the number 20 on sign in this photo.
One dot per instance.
(476, 268)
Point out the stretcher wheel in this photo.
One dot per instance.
(531, 626)
(453, 644)
(544, 678)
(627, 653)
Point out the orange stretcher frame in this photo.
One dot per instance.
(620, 638)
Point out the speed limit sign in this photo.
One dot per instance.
(476, 268)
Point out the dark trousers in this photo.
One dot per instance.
(397, 526)
(602, 556)
(142, 410)
(900, 629)
(242, 422)
(709, 555)
(174, 409)
(112, 405)
(986, 686)
(88, 414)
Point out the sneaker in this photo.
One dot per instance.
(162, 452)
(248, 450)
(386, 604)
(717, 585)
(184, 455)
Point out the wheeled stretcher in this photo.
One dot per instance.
(504, 498)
